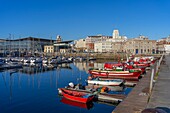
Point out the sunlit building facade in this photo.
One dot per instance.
(140, 45)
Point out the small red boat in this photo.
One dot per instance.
(77, 104)
(76, 96)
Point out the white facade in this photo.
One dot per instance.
(168, 39)
(81, 43)
(117, 38)
(167, 48)
(105, 46)
(98, 47)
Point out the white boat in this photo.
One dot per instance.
(55, 60)
(11, 65)
(36, 60)
(113, 82)
(27, 60)
(45, 60)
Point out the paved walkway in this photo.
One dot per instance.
(160, 97)
(137, 99)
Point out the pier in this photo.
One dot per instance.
(161, 91)
(137, 99)
(143, 97)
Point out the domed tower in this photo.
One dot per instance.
(58, 39)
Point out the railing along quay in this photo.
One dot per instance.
(138, 98)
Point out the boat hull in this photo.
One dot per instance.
(76, 96)
(117, 74)
(77, 104)
(113, 82)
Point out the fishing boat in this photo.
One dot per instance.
(76, 96)
(141, 64)
(141, 68)
(127, 65)
(116, 74)
(101, 96)
(98, 81)
(93, 87)
(111, 65)
(77, 104)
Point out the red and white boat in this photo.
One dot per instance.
(113, 82)
(116, 74)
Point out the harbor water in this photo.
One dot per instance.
(34, 89)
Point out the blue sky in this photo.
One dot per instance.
(75, 19)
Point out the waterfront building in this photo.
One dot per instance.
(2, 47)
(101, 43)
(160, 46)
(90, 40)
(104, 46)
(80, 45)
(163, 45)
(167, 48)
(24, 46)
(118, 47)
(49, 49)
(62, 46)
(117, 37)
(168, 39)
(140, 45)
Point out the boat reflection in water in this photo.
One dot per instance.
(77, 104)
(33, 68)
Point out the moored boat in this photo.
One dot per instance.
(101, 96)
(76, 96)
(77, 104)
(98, 81)
(126, 65)
(117, 74)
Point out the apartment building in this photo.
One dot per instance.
(105, 46)
(80, 45)
(163, 45)
(90, 40)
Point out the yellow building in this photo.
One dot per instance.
(49, 49)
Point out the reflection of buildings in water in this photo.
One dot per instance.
(64, 66)
(33, 69)
(37, 68)
(33, 82)
(9, 83)
(84, 66)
